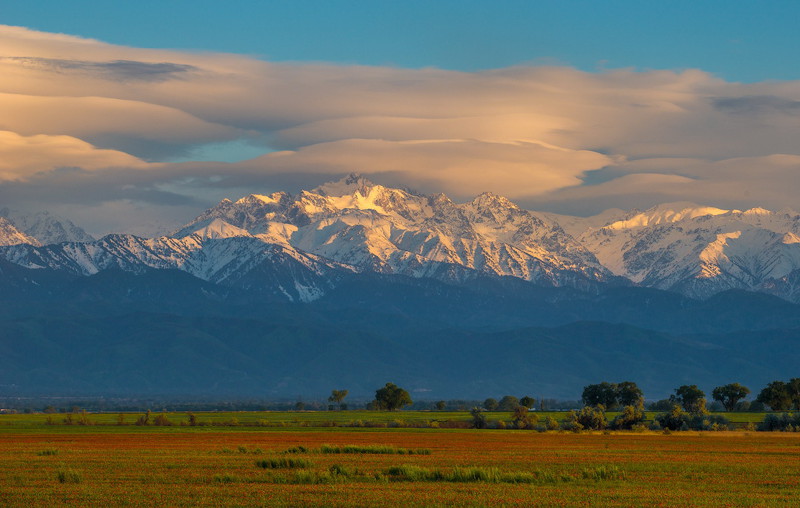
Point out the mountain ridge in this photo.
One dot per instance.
(356, 226)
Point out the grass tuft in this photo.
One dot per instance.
(284, 463)
(601, 473)
(47, 452)
(226, 478)
(413, 473)
(373, 449)
(68, 476)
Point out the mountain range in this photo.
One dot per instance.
(285, 294)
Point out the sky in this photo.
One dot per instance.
(136, 116)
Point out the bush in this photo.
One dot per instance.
(478, 418)
(162, 421)
(588, 418)
(785, 422)
(675, 419)
(629, 417)
(523, 419)
(678, 419)
(144, 419)
(708, 422)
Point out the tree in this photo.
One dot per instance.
(508, 403)
(628, 394)
(391, 397)
(691, 398)
(794, 391)
(523, 419)
(528, 402)
(729, 395)
(776, 395)
(478, 418)
(337, 396)
(440, 405)
(603, 394)
(490, 404)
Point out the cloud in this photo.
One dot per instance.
(545, 136)
(22, 157)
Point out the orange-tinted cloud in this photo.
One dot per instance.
(545, 136)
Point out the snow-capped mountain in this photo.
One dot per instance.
(374, 228)
(698, 250)
(299, 246)
(242, 261)
(46, 228)
(10, 235)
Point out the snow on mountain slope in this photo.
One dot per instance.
(223, 260)
(698, 250)
(300, 245)
(10, 235)
(46, 227)
(375, 228)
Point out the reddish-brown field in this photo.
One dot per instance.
(214, 468)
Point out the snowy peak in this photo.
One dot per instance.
(488, 200)
(356, 226)
(347, 186)
(218, 228)
(665, 213)
(46, 228)
(10, 235)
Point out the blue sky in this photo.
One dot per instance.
(738, 41)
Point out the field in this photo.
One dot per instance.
(239, 465)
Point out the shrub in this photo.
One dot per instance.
(678, 419)
(628, 418)
(785, 422)
(523, 419)
(589, 418)
(675, 419)
(162, 420)
(144, 419)
(708, 422)
(47, 452)
(478, 418)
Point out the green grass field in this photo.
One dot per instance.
(307, 418)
